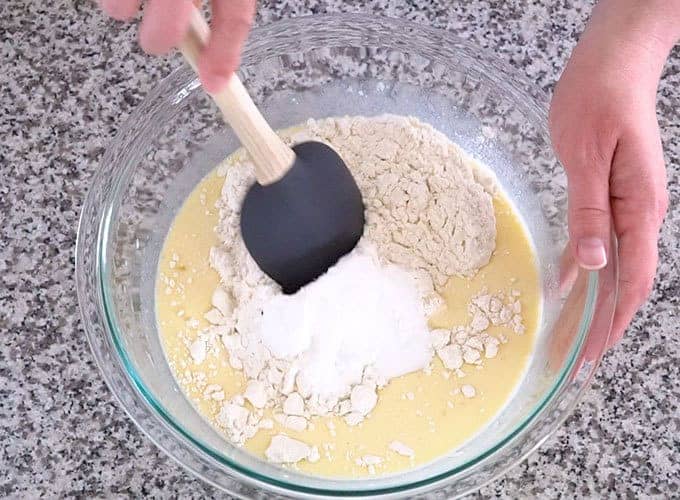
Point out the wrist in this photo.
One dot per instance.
(627, 43)
(653, 26)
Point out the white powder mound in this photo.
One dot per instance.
(360, 313)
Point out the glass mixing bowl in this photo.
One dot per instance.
(316, 67)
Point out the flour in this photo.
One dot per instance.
(370, 462)
(402, 449)
(284, 449)
(330, 347)
(428, 205)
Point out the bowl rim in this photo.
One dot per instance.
(248, 475)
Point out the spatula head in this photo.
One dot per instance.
(299, 226)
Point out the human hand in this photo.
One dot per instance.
(605, 132)
(165, 23)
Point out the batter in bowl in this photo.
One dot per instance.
(435, 219)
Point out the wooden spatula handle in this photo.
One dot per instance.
(272, 158)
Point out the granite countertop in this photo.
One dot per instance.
(70, 77)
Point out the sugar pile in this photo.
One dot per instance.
(360, 313)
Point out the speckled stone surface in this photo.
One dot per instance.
(70, 77)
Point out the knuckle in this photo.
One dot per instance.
(590, 158)
(589, 217)
(591, 212)
(585, 147)
(598, 158)
(643, 197)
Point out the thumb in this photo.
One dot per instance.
(589, 216)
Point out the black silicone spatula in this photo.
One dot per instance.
(306, 210)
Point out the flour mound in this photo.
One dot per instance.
(426, 203)
(429, 216)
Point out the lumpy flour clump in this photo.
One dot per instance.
(328, 349)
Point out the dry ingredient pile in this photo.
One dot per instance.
(327, 349)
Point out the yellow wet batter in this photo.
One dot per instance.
(425, 411)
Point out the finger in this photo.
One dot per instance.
(639, 203)
(164, 25)
(638, 257)
(230, 25)
(589, 213)
(641, 158)
(120, 9)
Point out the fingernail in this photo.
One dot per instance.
(591, 254)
